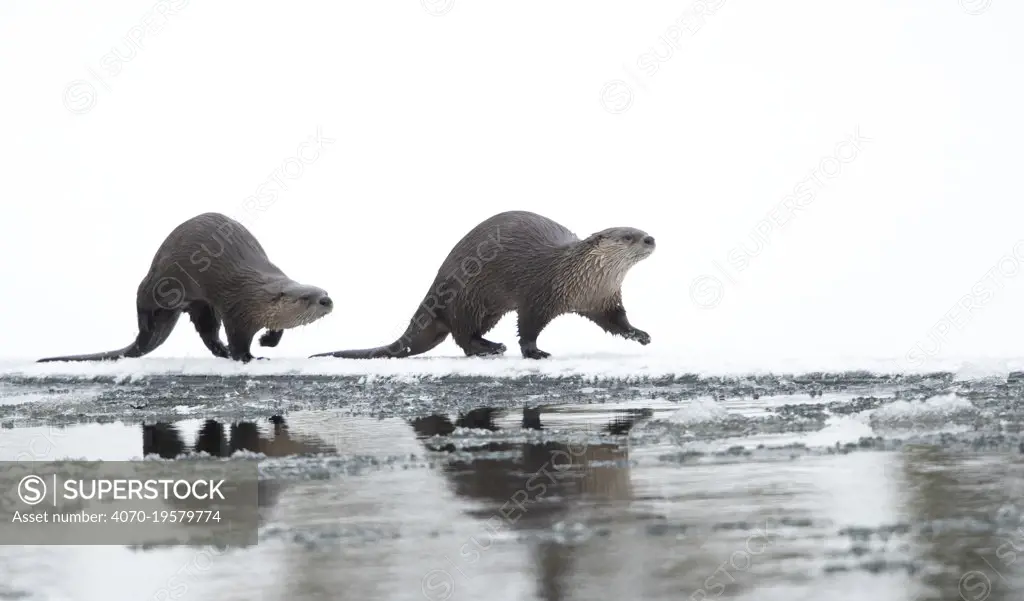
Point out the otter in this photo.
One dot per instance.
(524, 262)
(233, 283)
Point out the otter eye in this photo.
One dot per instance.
(628, 238)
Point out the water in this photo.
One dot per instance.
(844, 488)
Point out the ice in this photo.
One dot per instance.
(840, 430)
(938, 409)
(698, 411)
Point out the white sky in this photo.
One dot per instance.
(441, 121)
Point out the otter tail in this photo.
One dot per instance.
(154, 328)
(414, 341)
(131, 350)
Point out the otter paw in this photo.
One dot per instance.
(536, 354)
(640, 336)
(485, 348)
(271, 338)
(250, 357)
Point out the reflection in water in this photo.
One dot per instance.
(165, 440)
(536, 488)
(970, 521)
(859, 524)
(162, 439)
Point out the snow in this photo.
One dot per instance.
(596, 366)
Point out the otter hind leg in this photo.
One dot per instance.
(475, 345)
(418, 340)
(208, 325)
(155, 326)
(532, 322)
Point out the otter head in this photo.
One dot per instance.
(624, 246)
(600, 262)
(290, 305)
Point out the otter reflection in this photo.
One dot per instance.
(536, 489)
(967, 507)
(165, 440)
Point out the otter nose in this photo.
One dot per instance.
(649, 240)
(326, 301)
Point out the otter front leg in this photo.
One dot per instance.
(271, 337)
(531, 324)
(614, 321)
(239, 342)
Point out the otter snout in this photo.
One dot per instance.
(323, 301)
(649, 241)
(320, 298)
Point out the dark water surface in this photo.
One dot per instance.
(838, 487)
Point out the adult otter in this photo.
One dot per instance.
(524, 262)
(233, 283)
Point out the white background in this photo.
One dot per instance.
(441, 120)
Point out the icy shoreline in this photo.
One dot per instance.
(599, 366)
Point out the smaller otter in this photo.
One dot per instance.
(524, 262)
(233, 283)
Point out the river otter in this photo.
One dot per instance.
(214, 269)
(524, 262)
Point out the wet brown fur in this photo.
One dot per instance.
(214, 269)
(524, 262)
